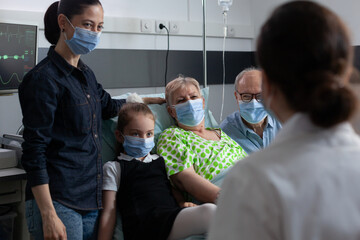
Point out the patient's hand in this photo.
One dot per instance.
(154, 100)
(188, 204)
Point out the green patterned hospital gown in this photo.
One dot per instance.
(182, 149)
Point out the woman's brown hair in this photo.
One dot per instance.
(305, 50)
(69, 8)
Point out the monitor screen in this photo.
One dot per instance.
(18, 54)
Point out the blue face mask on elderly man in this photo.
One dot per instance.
(253, 112)
(191, 112)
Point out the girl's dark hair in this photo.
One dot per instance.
(125, 116)
(67, 7)
(305, 51)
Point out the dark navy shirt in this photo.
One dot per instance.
(62, 107)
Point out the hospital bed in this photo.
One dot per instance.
(162, 121)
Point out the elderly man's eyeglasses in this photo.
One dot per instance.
(247, 97)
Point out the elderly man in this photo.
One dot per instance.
(252, 127)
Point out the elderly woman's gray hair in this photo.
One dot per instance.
(178, 83)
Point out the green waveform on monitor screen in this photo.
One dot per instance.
(14, 75)
(17, 34)
(16, 57)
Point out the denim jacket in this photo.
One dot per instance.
(62, 107)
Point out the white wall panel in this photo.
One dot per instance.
(10, 114)
(166, 9)
(239, 12)
(125, 33)
(348, 10)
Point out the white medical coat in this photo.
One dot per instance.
(304, 186)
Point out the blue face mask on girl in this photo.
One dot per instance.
(190, 113)
(138, 147)
(253, 112)
(83, 41)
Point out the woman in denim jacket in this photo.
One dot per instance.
(62, 106)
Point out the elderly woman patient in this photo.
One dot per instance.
(196, 157)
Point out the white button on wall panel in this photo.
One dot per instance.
(147, 26)
(174, 27)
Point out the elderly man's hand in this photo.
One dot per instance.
(154, 100)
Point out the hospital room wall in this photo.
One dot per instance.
(348, 10)
(249, 13)
(186, 12)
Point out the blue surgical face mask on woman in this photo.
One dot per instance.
(253, 112)
(190, 113)
(83, 41)
(138, 147)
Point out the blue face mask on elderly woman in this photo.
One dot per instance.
(190, 113)
(138, 147)
(83, 41)
(253, 112)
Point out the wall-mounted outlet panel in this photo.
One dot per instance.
(174, 27)
(147, 26)
(157, 26)
(230, 31)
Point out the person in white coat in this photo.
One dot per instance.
(305, 184)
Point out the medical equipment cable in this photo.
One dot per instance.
(20, 130)
(223, 64)
(161, 26)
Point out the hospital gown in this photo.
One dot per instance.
(182, 149)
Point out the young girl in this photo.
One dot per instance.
(136, 184)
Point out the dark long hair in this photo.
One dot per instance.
(67, 7)
(305, 51)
